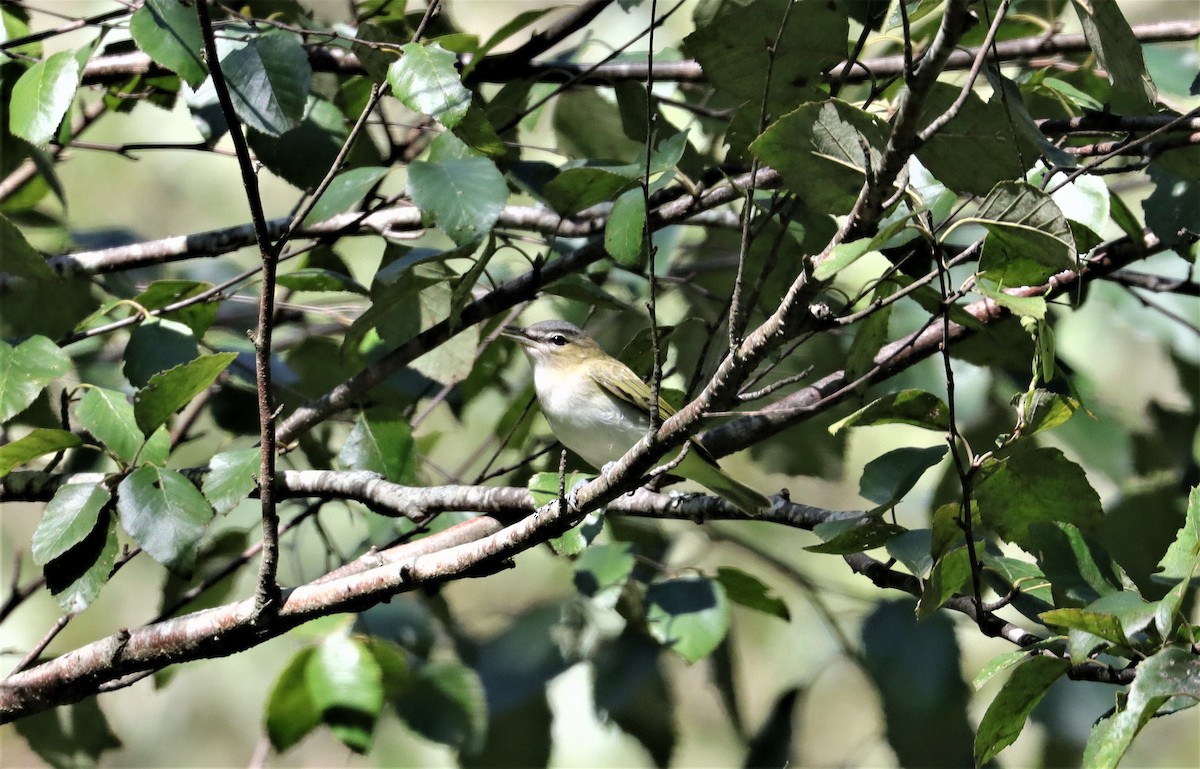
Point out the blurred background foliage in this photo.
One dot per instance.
(522, 667)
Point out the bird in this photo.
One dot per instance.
(599, 408)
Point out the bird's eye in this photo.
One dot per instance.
(558, 340)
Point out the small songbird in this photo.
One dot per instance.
(599, 408)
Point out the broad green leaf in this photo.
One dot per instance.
(1042, 409)
(155, 346)
(1024, 306)
(381, 442)
(75, 580)
(734, 49)
(914, 549)
(69, 736)
(268, 77)
(42, 96)
(577, 189)
(1173, 206)
(161, 293)
(1116, 47)
(346, 685)
(462, 197)
(392, 662)
(1172, 672)
(823, 140)
(169, 32)
(887, 478)
(624, 233)
(445, 703)
(1028, 237)
(1182, 559)
(589, 128)
(1033, 486)
(953, 153)
(291, 711)
(38, 442)
(689, 615)
(997, 665)
(949, 575)
(1100, 624)
(846, 254)
(25, 370)
(871, 335)
(854, 535)
(70, 516)
(302, 155)
(911, 407)
(316, 279)
(1007, 713)
(1036, 593)
(165, 514)
(426, 80)
(749, 591)
(579, 536)
(231, 478)
(171, 390)
(345, 191)
(629, 688)
(17, 257)
(1079, 571)
(603, 567)
(916, 668)
(108, 416)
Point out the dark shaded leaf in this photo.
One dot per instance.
(689, 615)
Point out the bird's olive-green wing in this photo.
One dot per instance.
(628, 387)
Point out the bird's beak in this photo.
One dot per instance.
(518, 335)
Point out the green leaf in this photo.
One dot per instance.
(171, 390)
(169, 32)
(1024, 306)
(69, 736)
(70, 516)
(381, 442)
(1007, 713)
(1101, 624)
(316, 279)
(346, 685)
(601, 568)
(165, 514)
(17, 257)
(854, 535)
(624, 233)
(734, 49)
(690, 615)
(576, 189)
(1042, 409)
(463, 197)
(230, 479)
(1170, 673)
(1079, 571)
(445, 703)
(953, 153)
(1028, 237)
(303, 154)
(25, 370)
(38, 442)
(155, 346)
(1033, 486)
(887, 478)
(823, 140)
(630, 689)
(161, 293)
(948, 575)
(268, 77)
(108, 416)
(1182, 559)
(76, 578)
(344, 192)
(426, 80)
(291, 711)
(749, 591)
(1116, 47)
(41, 97)
(911, 407)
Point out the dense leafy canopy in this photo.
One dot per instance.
(931, 264)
